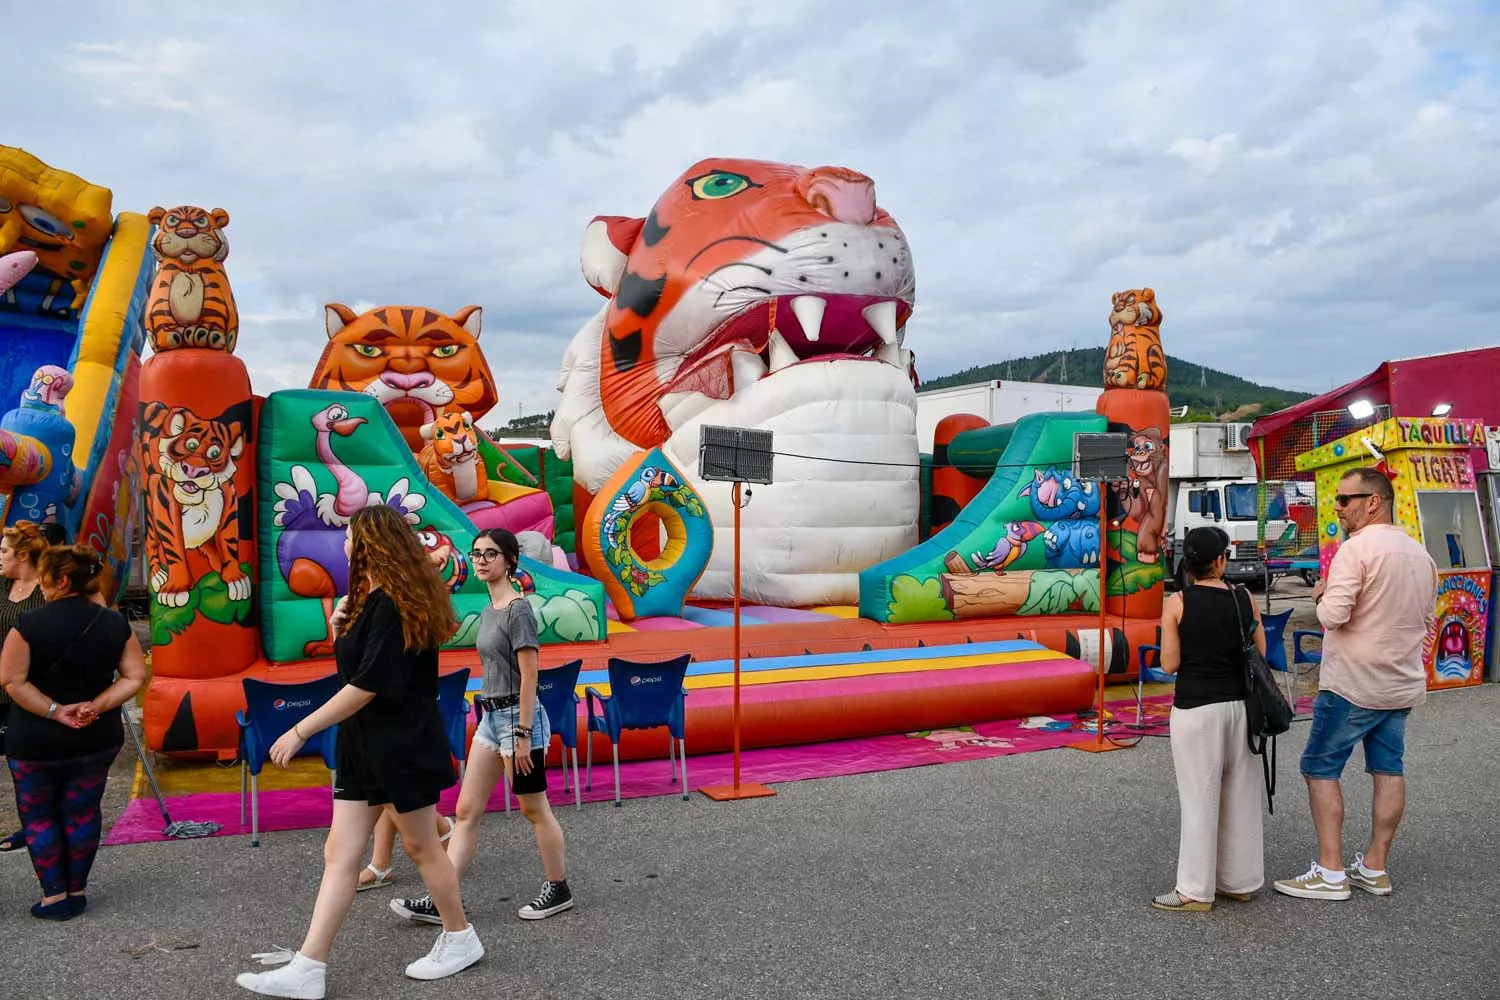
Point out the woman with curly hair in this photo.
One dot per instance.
(392, 748)
(20, 554)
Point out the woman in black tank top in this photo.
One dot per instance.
(1220, 851)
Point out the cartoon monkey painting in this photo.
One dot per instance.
(1144, 499)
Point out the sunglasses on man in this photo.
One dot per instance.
(1343, 499)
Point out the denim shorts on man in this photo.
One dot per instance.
(1338, 724)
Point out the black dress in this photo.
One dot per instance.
(393, 750)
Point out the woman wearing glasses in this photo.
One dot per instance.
(1220, 851)
(515, 731)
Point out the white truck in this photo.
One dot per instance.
(1212, 482)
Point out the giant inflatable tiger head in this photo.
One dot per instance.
(758, 295)
(419, 363)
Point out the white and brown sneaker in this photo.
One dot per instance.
(1373, 882)
(1314, 885)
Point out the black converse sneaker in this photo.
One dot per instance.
(420, 910)
(554, 898)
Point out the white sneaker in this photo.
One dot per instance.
(301, 979)
(451, 953)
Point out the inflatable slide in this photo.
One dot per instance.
(71, 334)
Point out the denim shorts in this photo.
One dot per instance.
(1338, 724)
(497, 730)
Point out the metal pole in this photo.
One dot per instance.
(738, 488)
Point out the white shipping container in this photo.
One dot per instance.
(999, 402)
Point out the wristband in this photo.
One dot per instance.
(52, 709)
(297, 728)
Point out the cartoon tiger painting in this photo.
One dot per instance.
(451, 461)
(192, 502)
(759, 295)
(191, 304)
(1134, 358)
(419, 363)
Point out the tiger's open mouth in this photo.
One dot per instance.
(752, 344)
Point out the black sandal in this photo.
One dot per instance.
(14, 842)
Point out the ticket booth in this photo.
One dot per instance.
(1430, 462)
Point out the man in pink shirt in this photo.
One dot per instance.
(1376, 605)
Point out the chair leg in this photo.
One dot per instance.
(577, 791)
(672, 757)
(1140, 696)
(682, 756)
(244, 789)
(615, 750)
(588, 752)
(505, 780)
(254, 811)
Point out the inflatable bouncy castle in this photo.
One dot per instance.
(751, 294)
(73, 285)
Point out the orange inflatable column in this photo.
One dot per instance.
(197, 460)
(951, 489)
(1135, 402)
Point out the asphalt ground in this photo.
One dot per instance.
(1021, 876)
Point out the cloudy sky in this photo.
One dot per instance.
(1311, 188)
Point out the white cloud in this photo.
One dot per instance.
(1308, 187)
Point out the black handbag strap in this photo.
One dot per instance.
(98, 613)
(1267, 760)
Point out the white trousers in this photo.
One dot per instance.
(1218, 787)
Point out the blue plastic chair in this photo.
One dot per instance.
(642, 696)
(1275, 626)
(558, 691)
(1300, 655)
(454, 708)
(271, 710)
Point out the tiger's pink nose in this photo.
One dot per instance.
(839, 193)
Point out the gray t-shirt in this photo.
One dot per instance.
(501, 634)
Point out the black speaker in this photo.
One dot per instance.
(1101, 456)
(734, 455)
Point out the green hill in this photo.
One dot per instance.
(1208, 393)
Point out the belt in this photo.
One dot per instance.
(495, 704)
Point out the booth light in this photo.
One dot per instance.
(1361, 409)
(1442, 409)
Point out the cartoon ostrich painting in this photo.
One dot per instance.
(310, 548)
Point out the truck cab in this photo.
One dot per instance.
(1232, 505)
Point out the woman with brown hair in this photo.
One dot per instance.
(68, 666)
(392, 748)
(20, 552)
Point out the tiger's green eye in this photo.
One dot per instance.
(366, 350)
(719, 184)
(446, 351)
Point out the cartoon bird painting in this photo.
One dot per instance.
(310, 547)
(1011, 546)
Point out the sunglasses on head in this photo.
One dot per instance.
(483, 555)
(1343, 499)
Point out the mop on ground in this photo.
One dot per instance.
(182, 829)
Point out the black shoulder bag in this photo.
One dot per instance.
(1267, 713)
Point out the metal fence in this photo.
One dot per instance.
(1287, 495)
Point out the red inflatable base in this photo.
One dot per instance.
(196, 717)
